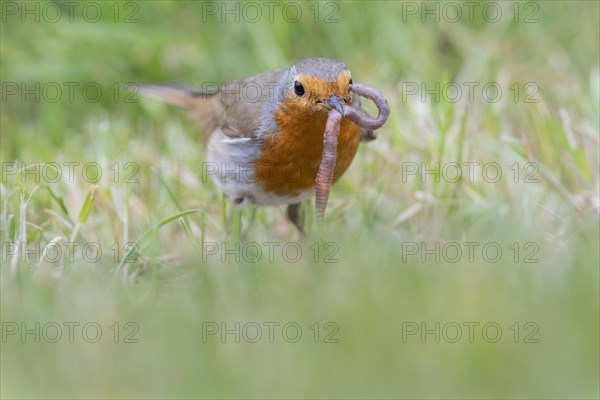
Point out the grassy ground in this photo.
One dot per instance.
(402, 295)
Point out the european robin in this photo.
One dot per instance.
(265, 133)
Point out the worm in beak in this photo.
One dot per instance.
(332, 130)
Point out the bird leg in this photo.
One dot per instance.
(296, 217)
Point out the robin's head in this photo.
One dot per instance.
(317, 85)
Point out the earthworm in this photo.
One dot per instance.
(325, 173)
(330, 140)
(363, 119)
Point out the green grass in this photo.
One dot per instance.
(171, 286)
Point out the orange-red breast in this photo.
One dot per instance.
(266, 132)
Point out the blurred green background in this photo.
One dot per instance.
(375, 290)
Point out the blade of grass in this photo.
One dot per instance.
(185, 221)
(236, 224)
(84, 213)
(22, 237)
(150, 230)
(61, 203)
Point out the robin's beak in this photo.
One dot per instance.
(335, 103)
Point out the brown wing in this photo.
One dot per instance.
(235, 107)
(243, 102)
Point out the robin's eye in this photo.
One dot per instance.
(350, 83)
(298, 88)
